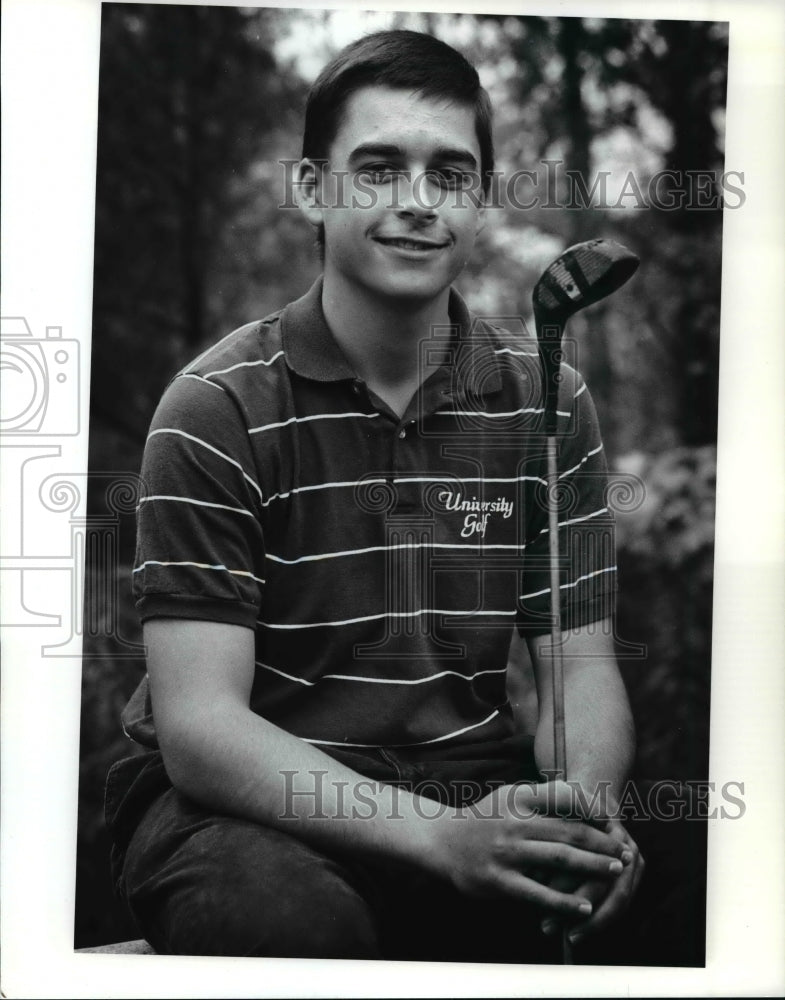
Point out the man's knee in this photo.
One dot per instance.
(325, 921)
(232, 887)
(328, 921)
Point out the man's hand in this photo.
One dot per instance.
(506, 844)
(609, 897)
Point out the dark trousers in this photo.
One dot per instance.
(198, 883)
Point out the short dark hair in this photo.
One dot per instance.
(405, 60)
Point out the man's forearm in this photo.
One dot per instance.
(231, 760)
(236, 762)
(600, 734)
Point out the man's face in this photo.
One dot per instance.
(398, 219)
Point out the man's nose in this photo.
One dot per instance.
(417, 196)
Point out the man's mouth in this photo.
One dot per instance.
(410, 243)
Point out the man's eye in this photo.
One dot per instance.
(378, 173)
(450, 177)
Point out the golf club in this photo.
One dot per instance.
(579, 277)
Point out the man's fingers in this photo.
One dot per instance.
(610, 896)
(594, 890)
(565, 857)
(614, 904)
(568, 906)
(575, 833)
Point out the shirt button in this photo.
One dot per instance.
(356, 388)
(402, 433)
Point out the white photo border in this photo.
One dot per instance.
(50, 85)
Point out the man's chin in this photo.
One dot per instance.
(406, 290)
(402, 285)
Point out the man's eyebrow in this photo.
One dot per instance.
(455, 154)
(375, 149)
(442, 154)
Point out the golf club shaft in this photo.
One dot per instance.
(557, 659)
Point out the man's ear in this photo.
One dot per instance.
(308, 189)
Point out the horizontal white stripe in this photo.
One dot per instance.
(520, 354)
(418, 680)
(197, 565)
(315, 416)
(214, 347)
(536, 593)
(281, 673)
(245, 364)
(405, 479)
(509, 413)
(470, 479)
(567, 586)
(588, 576)
(197, 503)
(578, 520)
(583, 461)
(484, 413)
(438, 739)
(322, 486)
(380, 680)
(476, 547)
(460, 732)
(201, 378)
(385, 614)
(205, 444)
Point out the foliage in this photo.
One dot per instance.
(190, 98)
(666, 562)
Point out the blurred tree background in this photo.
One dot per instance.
(197, 107)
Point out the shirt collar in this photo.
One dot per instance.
(311, 350)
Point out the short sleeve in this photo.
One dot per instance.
(587, 552)
(200, 547)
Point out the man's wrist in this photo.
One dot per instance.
(431, 837)
(597, 799)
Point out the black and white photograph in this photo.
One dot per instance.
(392, 546)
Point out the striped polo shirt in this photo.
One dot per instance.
(382, 561)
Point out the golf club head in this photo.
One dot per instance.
(579, 277)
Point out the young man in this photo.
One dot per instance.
(342, 524)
